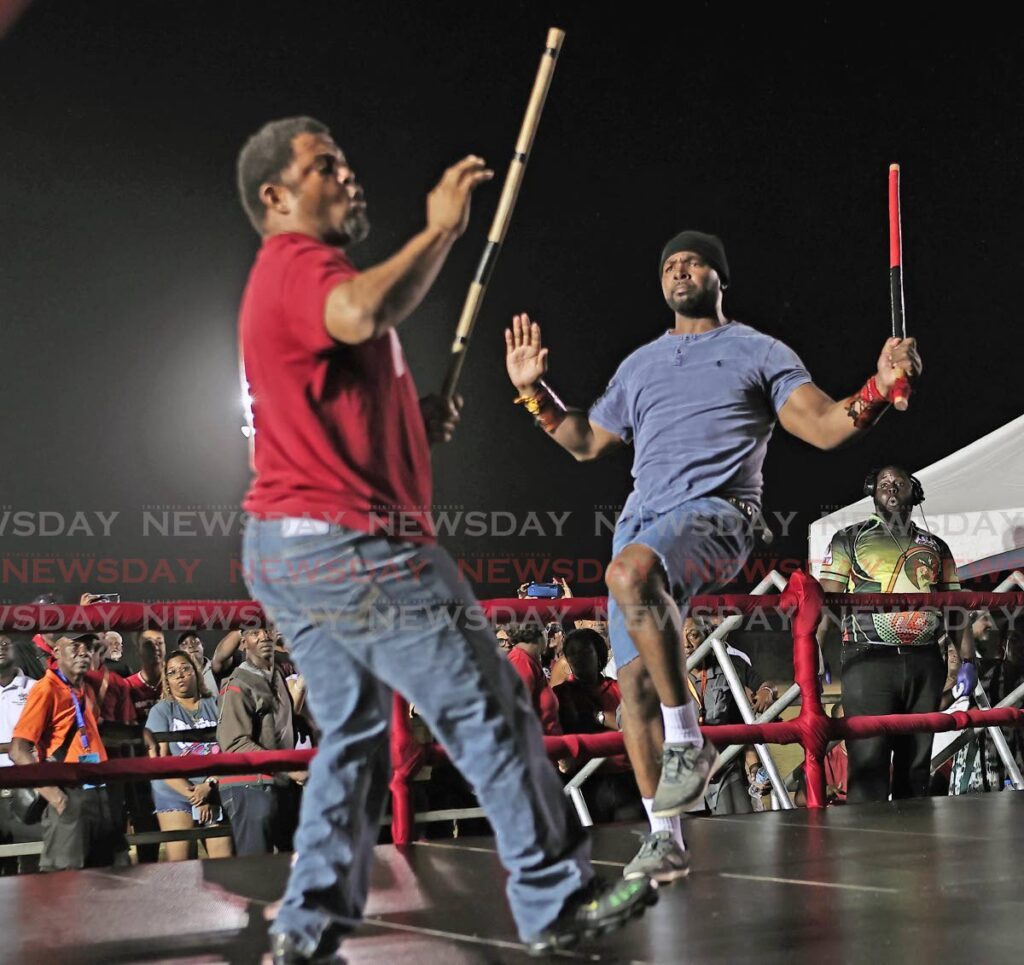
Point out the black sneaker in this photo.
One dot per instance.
(597, 909)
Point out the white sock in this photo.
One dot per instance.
(681, 725)
(675, 825)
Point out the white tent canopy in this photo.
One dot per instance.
(974, 501)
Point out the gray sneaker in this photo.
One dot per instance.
(686, 771)
(659, 858)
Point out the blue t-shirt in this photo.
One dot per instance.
(169, 715)
(699, 410)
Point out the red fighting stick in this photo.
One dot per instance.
(900, 393)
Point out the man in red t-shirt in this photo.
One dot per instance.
(588, 703)
(147, 685)
(528, 642)
(340, 550)
(111, 691)
(146, 689)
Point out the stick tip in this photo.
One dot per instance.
(555, 38)
(894, 167)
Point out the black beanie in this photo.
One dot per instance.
(709, 247)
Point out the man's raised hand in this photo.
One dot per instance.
(448, 203)
(525, 357)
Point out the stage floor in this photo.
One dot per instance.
(935, 880)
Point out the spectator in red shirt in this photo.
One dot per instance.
(504, 640)
(45, 641)
(528, 643)
(115, 654)
(147, 684)
(112, 692)
(587, 704)
(146, 691)
(587, 701)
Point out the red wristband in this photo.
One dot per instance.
(867, 406)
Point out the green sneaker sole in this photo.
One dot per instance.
(587, 931)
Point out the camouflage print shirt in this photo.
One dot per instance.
(872, 557)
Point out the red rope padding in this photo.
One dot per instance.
(231, 614)
(812, 728)
(154, 768)
(185, 615)
(576, 746)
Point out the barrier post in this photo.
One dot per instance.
(406, 757)
(1016, 578)
(804, 594)
(715, 642)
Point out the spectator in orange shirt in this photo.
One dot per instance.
(81, 825)
(528, 643)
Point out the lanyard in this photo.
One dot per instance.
(83, 734)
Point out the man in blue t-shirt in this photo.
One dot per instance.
(699, 404)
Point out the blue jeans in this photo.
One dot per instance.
(363, 616)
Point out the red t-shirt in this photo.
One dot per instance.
(578, 704)
(143, 695)
(541, 695)
(51, 658)
(113, 696)
(338, 430)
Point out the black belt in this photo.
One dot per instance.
(888, 649)
(759, 526)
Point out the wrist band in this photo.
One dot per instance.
(547, 409)
(867, 406)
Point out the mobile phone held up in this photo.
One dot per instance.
(544, 591)
(107, 598)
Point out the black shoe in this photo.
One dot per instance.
(597, 909)
(285, 951)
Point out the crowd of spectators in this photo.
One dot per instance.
(75, 697)
(87, 696)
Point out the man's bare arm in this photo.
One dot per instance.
(829, 586)
(526, 360)
(821, 421)
(222, 656)
(584, 439)
(382, 296)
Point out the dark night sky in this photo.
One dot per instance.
(125, 251)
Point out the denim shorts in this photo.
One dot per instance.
(165, 798)
(701, 544)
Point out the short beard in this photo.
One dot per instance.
(702, 304)
(355, 229)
